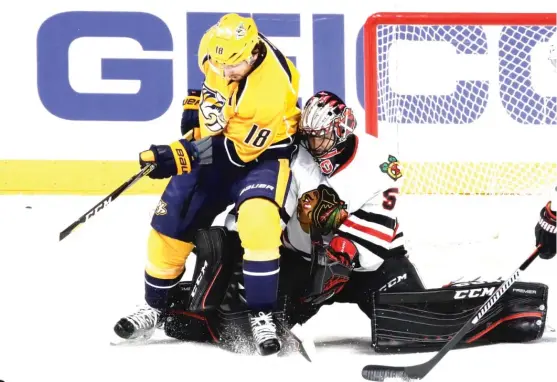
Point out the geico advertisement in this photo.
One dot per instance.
(70, 44)
(102, 82)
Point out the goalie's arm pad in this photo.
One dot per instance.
(216, 251)
(426, 320)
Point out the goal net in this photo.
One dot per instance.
(469, 103)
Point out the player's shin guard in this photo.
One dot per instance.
(259, 229)
(165, 267)
(425, 321)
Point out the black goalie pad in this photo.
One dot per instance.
(217, 251)
(226, 328)
(426, 320)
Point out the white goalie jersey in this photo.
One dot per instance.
(369, 185)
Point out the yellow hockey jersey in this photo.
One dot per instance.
(254, 113)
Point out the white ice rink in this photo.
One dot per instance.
(60, 300)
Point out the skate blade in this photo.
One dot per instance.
(306, 342)
(116, 340)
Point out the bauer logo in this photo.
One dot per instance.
(119, 66)
(257, 186)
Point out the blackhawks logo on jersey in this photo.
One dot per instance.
(321, 208)
(391, 167)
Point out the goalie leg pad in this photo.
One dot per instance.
(183, 325)
(216, 249)
(425, 321)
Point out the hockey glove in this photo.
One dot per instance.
(190, 115)
(335, 263)
(545, 232)
(174, 159)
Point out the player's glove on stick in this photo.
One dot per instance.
(178, 158)
(174, 159)
(332, 271)
(545, 232)
(190, 115)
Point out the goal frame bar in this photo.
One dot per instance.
(427, 18)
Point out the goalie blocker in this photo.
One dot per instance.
(425, 321)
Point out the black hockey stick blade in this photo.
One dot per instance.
(407, 373)
(106, 201)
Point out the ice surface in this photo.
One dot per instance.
(59, 301)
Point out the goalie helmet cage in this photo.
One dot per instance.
(520, 33)
(462, 192)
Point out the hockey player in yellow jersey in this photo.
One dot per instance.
(244, 127)
(254, 111)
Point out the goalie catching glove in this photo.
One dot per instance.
(332, 269)
(545, 232)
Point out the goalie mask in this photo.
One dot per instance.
(325, 125)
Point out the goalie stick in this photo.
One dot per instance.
(113, 195)
(406, 373)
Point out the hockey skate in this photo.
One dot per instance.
(264, 332)
(139, 325)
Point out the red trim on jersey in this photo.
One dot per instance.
(395, 230)
(368, 230)
(499, 322)
(350, 159)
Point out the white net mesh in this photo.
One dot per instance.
(506, 96)
(471, 110)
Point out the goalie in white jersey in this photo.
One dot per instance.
(365, 176)
(346, 212)
(343, 243)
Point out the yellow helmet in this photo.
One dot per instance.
(232, 40)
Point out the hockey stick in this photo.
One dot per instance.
(110, 198)
(379, 372)
(106, 201)
(306, 347)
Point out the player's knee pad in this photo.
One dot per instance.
(166, 257)
(259, 228)
(217, 251)
(426, 320)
